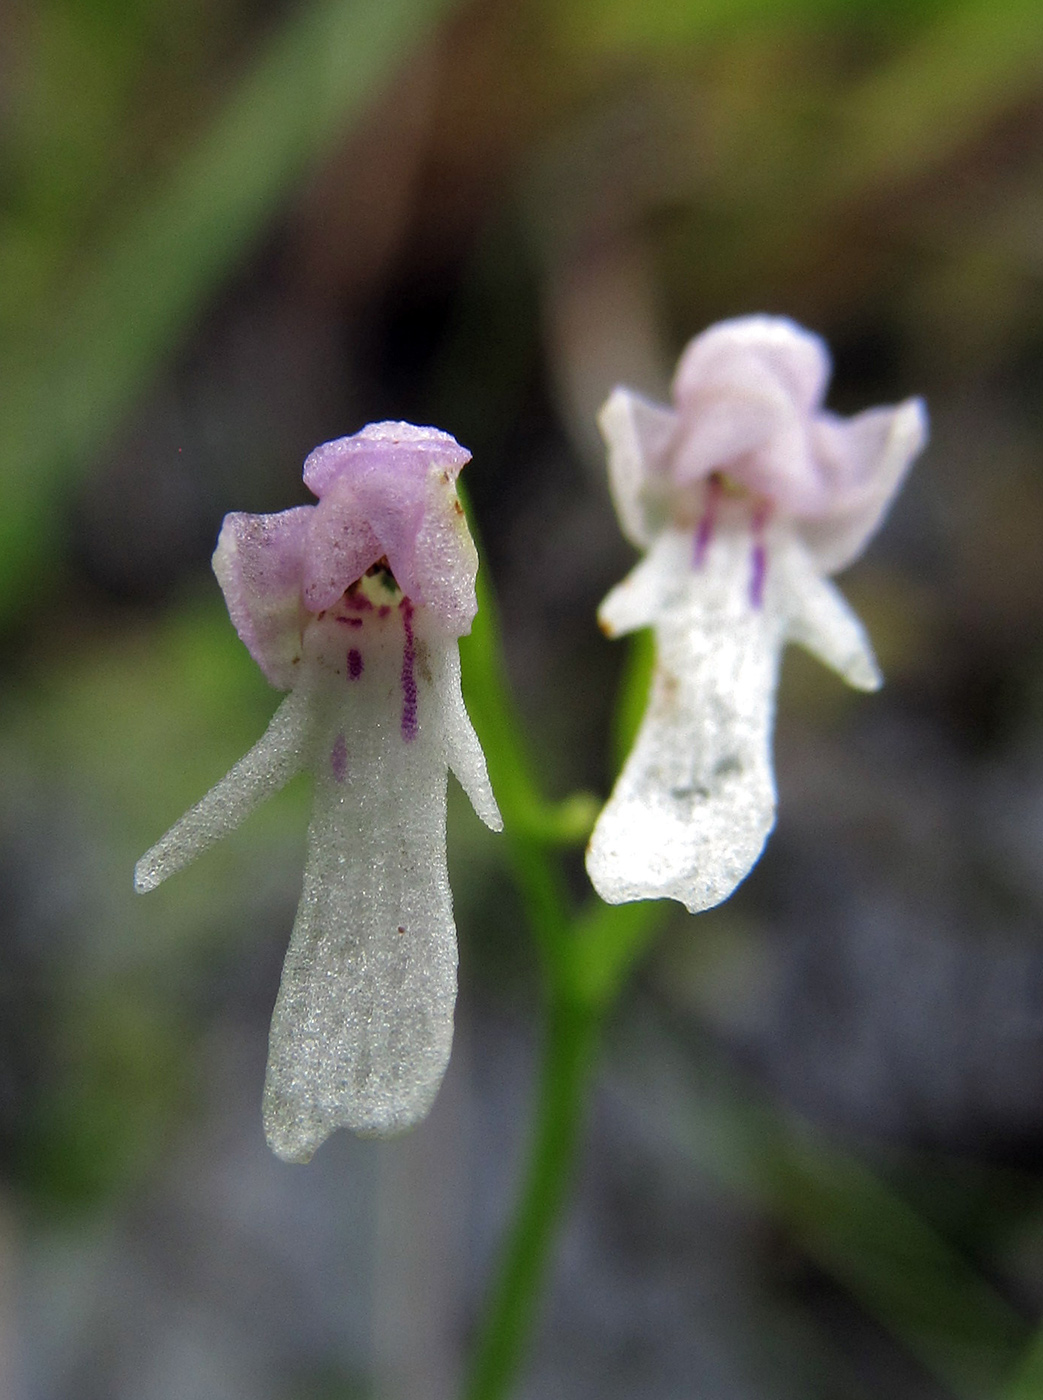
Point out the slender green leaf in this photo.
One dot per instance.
(164, 256)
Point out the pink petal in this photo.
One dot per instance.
(343, 540)
(445, 562)
(735, 356)
(398, 450)
(389, 491)
(863, 461)
(258, 563)
(639, 436)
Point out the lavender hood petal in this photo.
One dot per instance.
(387, 492)
(747, 407)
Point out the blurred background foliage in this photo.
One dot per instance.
(231, 230)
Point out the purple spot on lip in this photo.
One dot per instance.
(339, 758)
(409, 696)
(354, 664)
(350, 621)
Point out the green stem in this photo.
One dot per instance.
(570, 1049)
(584, 957)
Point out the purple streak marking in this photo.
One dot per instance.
(759, 569)
(409, 720)
(339, 758)
(708, 523)
(350, 621)
(354, 664)
(357, 602)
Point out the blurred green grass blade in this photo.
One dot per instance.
(849, 1222)
(632, 700)
(487, 695)
(626, 24)
(162, 258)
(976, 61)
(609, 940)
(1028, 1375)
(891, 1260)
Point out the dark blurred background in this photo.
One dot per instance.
(232, 230)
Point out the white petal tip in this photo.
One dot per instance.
(607, 625)
(696, 893)
(297, 1154)
(912, 425)
(698, 873)
(146, 876)
(295, 1134)
(867, 678)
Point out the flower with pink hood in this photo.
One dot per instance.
(355, 606)
(744, 495)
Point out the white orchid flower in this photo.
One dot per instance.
(744, 495)
(355, 606)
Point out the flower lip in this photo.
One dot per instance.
(402, 450)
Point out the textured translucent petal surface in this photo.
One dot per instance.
(744, 496)
(258, 563)
(363, 1023)
(694, 804)
(819, 618)
(867, 457)
(638, 435)
(269, 765)
(744, 353)
(695, 801)
(342, 545)
(389, 492)
(356, 604)
(463, 751)
(445, 563)
(411, 453)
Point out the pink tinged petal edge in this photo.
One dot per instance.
(444, 566)
(639, 435)
(733, 354)
(258, 562)
(341, 546)
(867, 457)
(389, 491)
(401, 449)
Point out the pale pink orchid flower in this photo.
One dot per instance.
(743, 495)
(355, 606)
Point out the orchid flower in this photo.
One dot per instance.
(354, 606)
(744, 495)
